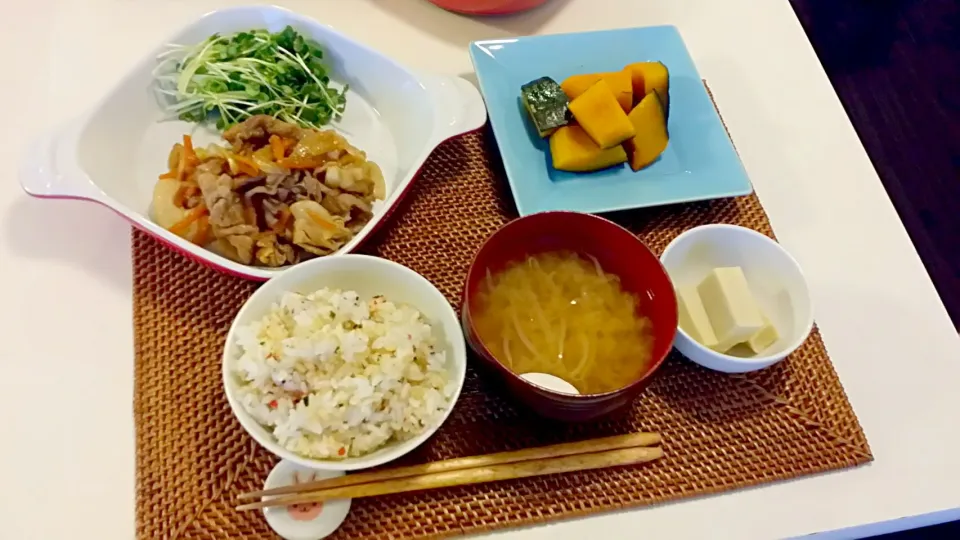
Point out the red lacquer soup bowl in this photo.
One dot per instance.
(619, 252)
(488, 7)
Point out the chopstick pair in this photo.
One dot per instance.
(559, 458)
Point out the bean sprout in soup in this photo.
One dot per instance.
(562, 314)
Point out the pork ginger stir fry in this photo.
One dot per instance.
(278, 195)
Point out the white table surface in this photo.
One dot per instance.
(67, 451)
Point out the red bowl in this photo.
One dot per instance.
(488, 7)
(619, 252)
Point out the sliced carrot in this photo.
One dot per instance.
(169, 175)
(202, 236)
(276, 146)
(184, 192)
(322, 221)
(281, 224)
(192, 158)
(180, 227)
(180, 197)
(246, 165)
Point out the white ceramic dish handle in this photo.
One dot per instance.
(49, 167)
(460, 106)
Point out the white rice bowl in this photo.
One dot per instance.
(332, 376)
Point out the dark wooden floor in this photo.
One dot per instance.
(936, 532)
(896, 66)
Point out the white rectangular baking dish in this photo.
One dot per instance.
(113, 154)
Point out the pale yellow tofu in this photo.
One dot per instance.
(765, 337)
(730, 307)
(693, 317)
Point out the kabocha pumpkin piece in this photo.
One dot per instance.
(651, 139)
(650, 77)
(636, 81)
(546, 103)
(575, 85)
(599, 114)
(573, 150)
(620, 83)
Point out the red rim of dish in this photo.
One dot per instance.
(506, 8)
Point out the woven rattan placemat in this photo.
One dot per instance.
(720, 431)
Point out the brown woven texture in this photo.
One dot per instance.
(720, 431)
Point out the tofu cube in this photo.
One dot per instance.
(693, 317)
(730, 307)
(766, 337)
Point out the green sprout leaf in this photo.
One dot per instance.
(226, 79)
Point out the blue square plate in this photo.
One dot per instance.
(699, 163)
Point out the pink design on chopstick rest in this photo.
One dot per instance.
(304, 511)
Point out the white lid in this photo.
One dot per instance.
(307, 521)
(551, 382)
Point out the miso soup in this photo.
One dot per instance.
(561, 314)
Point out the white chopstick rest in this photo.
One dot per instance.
(310, 521)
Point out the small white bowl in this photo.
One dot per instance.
(396, 115)
(774, 277)
(368, 276)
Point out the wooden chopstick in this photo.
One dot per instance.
(500, 458)
(476, 475)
